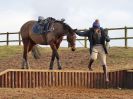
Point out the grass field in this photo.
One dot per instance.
(118, 58)
(9, 51)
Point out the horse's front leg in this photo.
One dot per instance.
(52, 60)
(58, 60)
(55, 54)
(25, 63)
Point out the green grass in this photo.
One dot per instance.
(114, 52)
(118, 58)
(121, 52)
(7, 51)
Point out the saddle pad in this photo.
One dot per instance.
(37, 28)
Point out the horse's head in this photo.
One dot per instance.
(71, 38)
(68, 31)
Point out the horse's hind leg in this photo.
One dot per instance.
(31, 44)
(25, 52)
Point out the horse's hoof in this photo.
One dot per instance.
(50, 68)
(90, 69)
(60, 68)
(27, 67)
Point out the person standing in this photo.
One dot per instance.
(97, 37)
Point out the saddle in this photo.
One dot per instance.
(43, 27)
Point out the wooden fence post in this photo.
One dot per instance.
(107, 43)
(19, 38)
(7, 43)
(125, 37)
(85, 41)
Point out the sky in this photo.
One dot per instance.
(78, 13)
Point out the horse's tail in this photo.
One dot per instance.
(35, 52)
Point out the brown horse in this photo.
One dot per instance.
(52, 38)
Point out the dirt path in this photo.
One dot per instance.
(65, 93)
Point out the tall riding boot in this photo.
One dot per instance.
(90, 63)
(106, 73)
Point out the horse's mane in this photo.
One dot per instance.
(65, 26)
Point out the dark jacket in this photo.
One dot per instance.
(90, 34)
